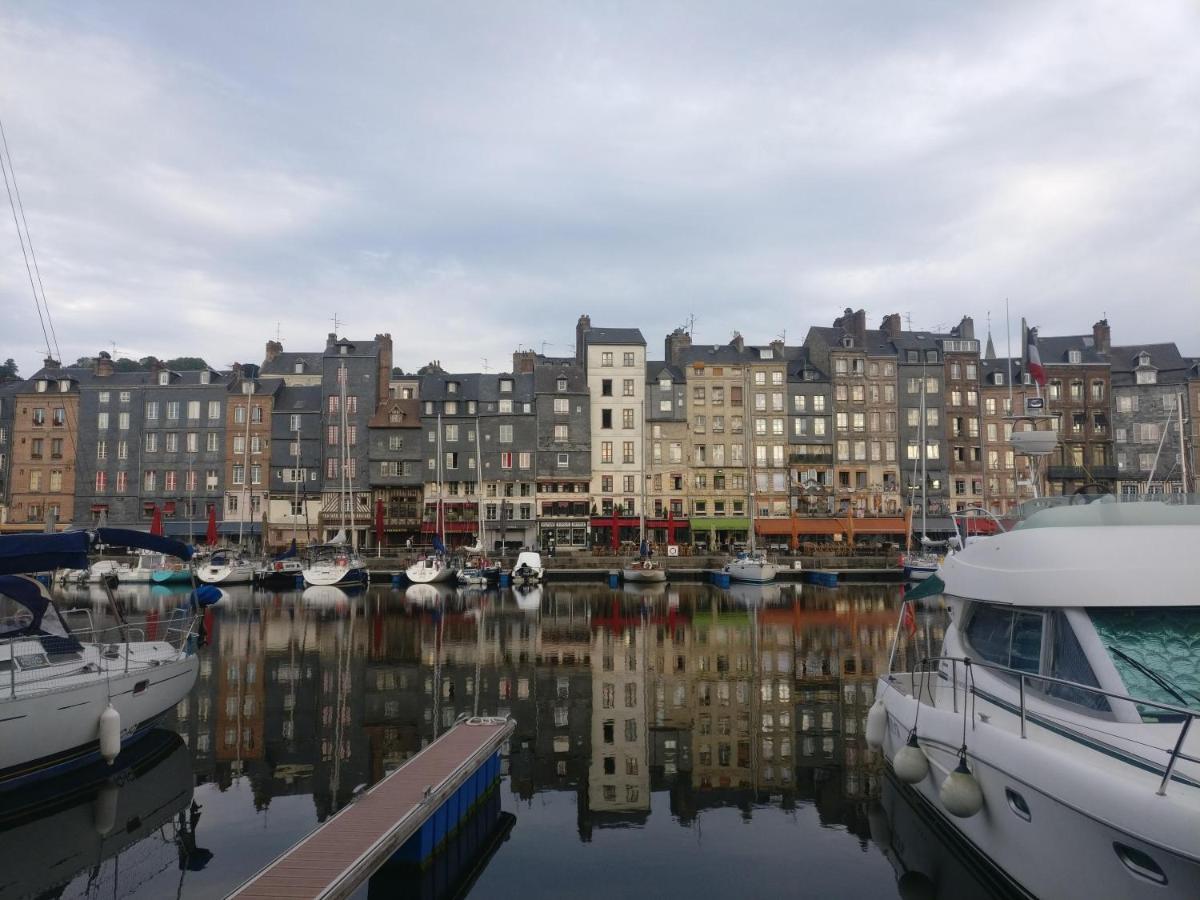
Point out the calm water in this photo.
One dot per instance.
(673, 741)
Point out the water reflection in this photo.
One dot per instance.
(751, 699)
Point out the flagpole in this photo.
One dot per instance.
(1008, 337)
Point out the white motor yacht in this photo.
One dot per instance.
(528, 568)
(751, 567)
(226, 567)
(1054, 730)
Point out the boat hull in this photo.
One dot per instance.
(644, 576)
(326, 576)
(55, 731)
(170, 576)
(438, 574)
(234, 574)
(751, 572)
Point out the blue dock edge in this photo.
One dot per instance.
(614, 578)
(719, 578)
(821, 577)
(456, 809)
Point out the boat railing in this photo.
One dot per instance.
(1025, 679)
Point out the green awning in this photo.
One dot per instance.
(720, 523)
(930, 587)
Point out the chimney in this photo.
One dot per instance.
(777, 348)
(523, 362)
(738, 343)
(674, 345)
(274, 348)
(384, 343)
(854, 324)
(1102, 336)
(891, 325)
(965, 329)
(50, 363)
(103, 366)
(582, 327)
(330, 340)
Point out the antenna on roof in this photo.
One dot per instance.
(546, 344)
(908, 320)
(690, 325)
(336, 322)
(277, 338)
(485, 363)
(782, 336)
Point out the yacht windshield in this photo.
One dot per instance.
(1156, 651)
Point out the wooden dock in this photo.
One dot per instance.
(413, 810)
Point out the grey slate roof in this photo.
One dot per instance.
(614, 336)
(1054, 350)
(299, 399)
(285, 363)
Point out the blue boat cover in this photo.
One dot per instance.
(142, 540)
(26, 609)
(23, 553)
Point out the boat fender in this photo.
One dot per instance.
(911, 765)
(876, 724)
(104, 809)
(960, 792)
(110, 734)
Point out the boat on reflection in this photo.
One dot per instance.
(428, 594)
(648, 591)
(931, 860)
(66, 826)
(326, 596)
(750, 594)
(528, 597)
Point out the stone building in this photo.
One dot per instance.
(296, 457)
(1078, 394)
(563, 452)
(397, 457)
(668, 447)
(767, 394)
(8, 392)
(365, 367)
(921, 383)
(1001, 492)
(249, 406)
(1149, 384)
(963, 425)
(42, 468)
(614, 360)
(108, 454)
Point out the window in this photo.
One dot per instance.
(627, 418)
(1007, 636)
(629, 359)
(193, 409)
(561, 434)
(606, 358)
(627, 452)
(627, 387)
(151, 441)
(151, 410)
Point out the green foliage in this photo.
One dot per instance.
(186, 364)
(8, 371)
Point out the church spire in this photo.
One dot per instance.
(989, 351)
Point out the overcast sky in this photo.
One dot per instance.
(472, 176)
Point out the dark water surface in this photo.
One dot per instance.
(679, 740)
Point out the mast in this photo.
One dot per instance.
(341, 450)
(748, 405)
(1182, 443)
(247, 389)
(440, 525)
(478, 493)
(346, 462)
(642, 504)
(924, 478)
(295, 484)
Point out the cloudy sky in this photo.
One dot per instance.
(472, 176)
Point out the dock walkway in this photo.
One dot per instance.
(424, 799)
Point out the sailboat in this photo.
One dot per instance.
(479, 570)
(643, 568)
(921, 564)
(752, 564)
(287, 565)
(434, 567)
(338, 562)
(226, 566)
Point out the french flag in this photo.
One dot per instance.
(1033, 359)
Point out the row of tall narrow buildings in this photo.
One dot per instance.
(830, 439)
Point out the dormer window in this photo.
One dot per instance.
(451, 387)
(561, 384)
(42, 385)
(396, 416)
(1147, 376)
(298, 368)
(343, 349)
(998, 378)
(1143, 358)
(664, 384)
(1074, 357)
(205, 376)
(506, 385)
(847, 341)
(64, 385)
(164, 377)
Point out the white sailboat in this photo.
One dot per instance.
(922, 563)
(752, 565)
(286, 566)
(434, 567)
(644, 568)
(338, 562)
(226, 566)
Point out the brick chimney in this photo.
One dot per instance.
(523, 362)
(777, 348)
(891, 325)
(1102, 336)
(854, 324)
(674, 345)
(738, 343)
(330, 340)
(50, 363)
(384, 343)
(274, 348)
(103, 367)
(965, 329)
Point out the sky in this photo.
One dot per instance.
(472, 176)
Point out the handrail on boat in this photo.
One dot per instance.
(1023, 677)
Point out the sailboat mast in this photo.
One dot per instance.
(1182, 445)
(247, 388)
(295, 484)
(749, 448)
(441, 527)
(349, 473)
(341, 451)
(479, 485)
(924, 478)
(642, 504)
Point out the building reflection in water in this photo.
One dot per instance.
(720, 698)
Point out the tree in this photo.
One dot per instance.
(125, 364)
(186, 364)
(8, 371)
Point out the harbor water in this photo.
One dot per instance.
(671, 740)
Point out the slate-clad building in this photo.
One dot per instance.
(1149, 381)
(563, 454)
(8, 393)
(921, 376)
(810, 435)
(297, 456)
(668, 445)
